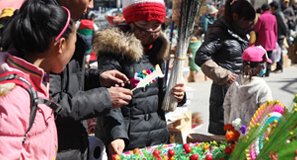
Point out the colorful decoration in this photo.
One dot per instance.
(146, 77)
(272, 134)
(192, 151)
(234, 130)
(266, 117)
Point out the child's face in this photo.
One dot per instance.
(67, 51)
(146, 31)
(261, 69)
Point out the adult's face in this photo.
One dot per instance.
(272, 10)
(286, 3)
(77, 7)
(241, 25)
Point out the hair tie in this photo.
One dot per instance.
(66, 25)
(232, 2)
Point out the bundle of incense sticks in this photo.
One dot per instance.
(184, 14)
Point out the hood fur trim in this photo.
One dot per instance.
(114, 41)
(164, 50)
(125, 45)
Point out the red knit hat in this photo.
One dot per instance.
(144, 10)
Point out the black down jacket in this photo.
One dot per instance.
(222, 47)
(79, 102)
(141, 123)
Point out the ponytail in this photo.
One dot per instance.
(36, 25)
(250, 69)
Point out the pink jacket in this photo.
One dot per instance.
(266, 28)
(41, 143)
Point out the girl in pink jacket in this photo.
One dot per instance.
(43, 40)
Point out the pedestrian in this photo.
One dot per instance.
(79, 93)
(5, 18)
(266, 29)
(86, 29)
(208, 18)
(282, 33)
(289, 13)
(43, 39)
(135, 49)
(250, 91)
(220, 55)
(194, 45)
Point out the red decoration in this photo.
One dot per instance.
(232, 135)
(187, 148)
(228, 150)
(228, 127)
(156, 154)
(170, 153)
(208, 157)
(115, 157)
(194, 157)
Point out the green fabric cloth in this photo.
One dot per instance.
(87, 32)
(193, 47)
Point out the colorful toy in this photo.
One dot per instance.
(266, 117)
(272, 134)
(146, 77)
(192, 151)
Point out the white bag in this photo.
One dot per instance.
(276, 54)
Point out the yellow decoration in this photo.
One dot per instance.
(206, 146)
(267, 138)
(136, 151)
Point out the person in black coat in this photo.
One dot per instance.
(135, 49)
(79, 93)
(282, 31)
(220, 55)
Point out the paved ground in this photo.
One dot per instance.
(283, 86)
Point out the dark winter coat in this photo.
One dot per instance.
(141, 123)
(221, 54)
(78, 104)
(282, 27)
(222, 45)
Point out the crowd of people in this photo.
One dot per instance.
(45, 65)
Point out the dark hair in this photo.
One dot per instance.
(35, 25)
(274, 4)
(259, 10)
(242, 8)
(250, 69)
(265, 7)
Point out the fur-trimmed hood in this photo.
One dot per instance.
(125, 44)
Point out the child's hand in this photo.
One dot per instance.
(178, 91)
(116, 147)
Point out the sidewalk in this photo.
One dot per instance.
(283, 86)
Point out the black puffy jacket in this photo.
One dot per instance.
(222, 45)
(79, 102)
(219, 55)
(141, 123)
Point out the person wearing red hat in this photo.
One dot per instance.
(135, 49)
(250, 91)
